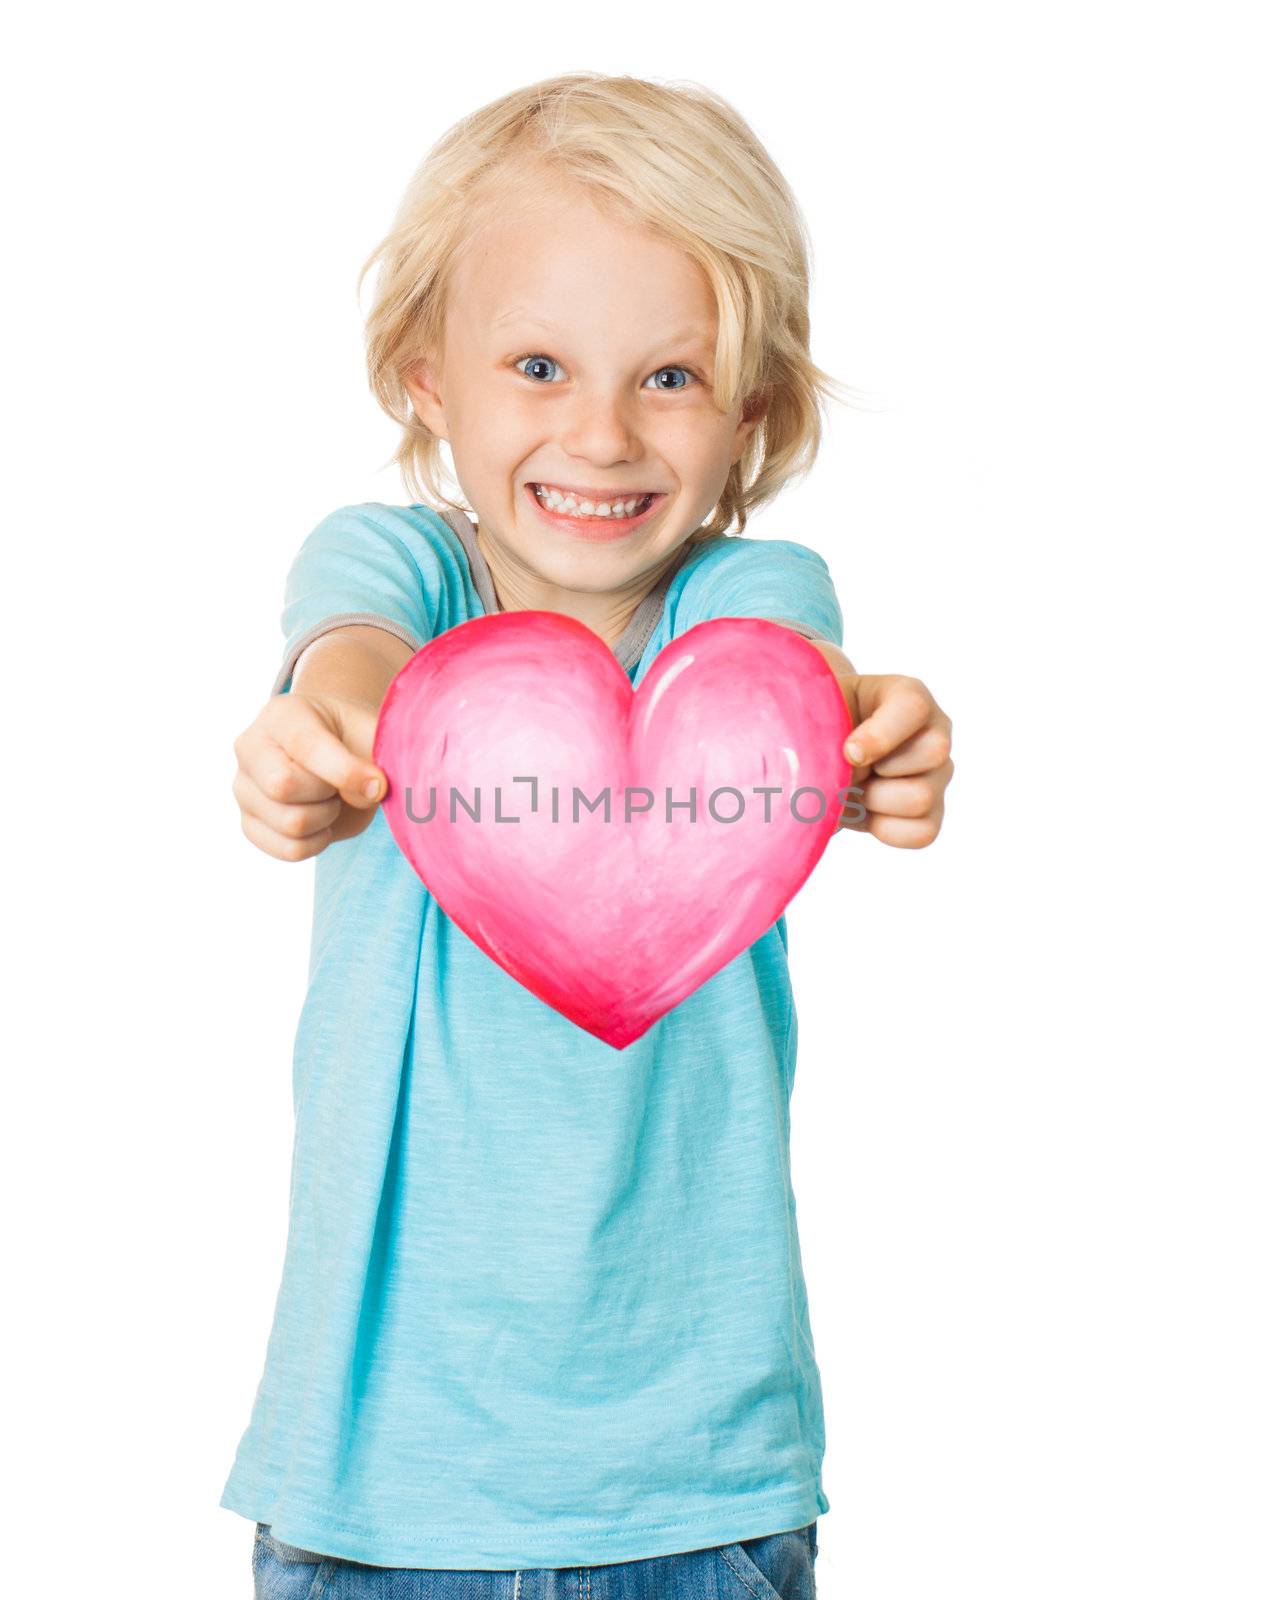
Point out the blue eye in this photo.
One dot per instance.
(538, 369)
(670, 386)
(536, 361)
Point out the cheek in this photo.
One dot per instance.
(493, 438)
(512, 428)
(712, 451)
(696, 444)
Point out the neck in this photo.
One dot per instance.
(607, 614)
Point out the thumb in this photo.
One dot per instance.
(365, 782)
(849, 688)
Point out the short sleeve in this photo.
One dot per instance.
(362, 564)
(776, 579)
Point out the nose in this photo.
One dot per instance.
(600, 427)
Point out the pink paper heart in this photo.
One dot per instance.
(612, 923)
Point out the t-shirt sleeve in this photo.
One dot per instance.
(776, 579)
(357, 566)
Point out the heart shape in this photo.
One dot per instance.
(613, 907)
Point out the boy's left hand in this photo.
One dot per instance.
(899, 749)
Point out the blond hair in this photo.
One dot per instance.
(675, 158)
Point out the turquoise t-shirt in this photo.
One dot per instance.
(542, 1302)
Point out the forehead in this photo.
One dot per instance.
(563, 260)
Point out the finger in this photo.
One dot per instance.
(906, 833)
(279, 844)
(274, 772)
(904, 797)
(292, 821)
(308, 739)
(901, 706)
(926, 751)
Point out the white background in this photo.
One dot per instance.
(1027, 1114)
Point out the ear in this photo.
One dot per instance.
(754, 409)
(422, 384)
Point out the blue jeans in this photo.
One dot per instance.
(778, 1566)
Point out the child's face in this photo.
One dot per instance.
(615, 399)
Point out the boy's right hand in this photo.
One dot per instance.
(302, 767)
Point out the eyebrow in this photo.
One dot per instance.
(525, 316)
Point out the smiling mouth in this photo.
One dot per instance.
(594, 506)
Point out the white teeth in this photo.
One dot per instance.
(568, 505)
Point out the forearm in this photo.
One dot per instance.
(835, 657)
(353, 664)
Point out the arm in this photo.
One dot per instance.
(354, 664)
